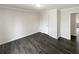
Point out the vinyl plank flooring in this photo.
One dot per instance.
(40, 43)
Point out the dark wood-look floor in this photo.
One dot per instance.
(40, 43)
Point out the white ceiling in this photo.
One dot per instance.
(42, 8)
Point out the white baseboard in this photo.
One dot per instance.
(16, 38)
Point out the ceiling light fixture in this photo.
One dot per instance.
(38, 5)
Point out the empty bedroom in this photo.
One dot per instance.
(38, 29)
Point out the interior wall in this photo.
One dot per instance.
(58, 23)
(15, 24)
(48, 22)
(73, 24)
(77, 23)
(77, 20)
(52, 23)
(44, 22)
(66, 21)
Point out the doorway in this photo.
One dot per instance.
(77, 25)
(74, 26)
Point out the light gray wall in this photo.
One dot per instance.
(66, 21)
(58, 23)
(52, 23)
(15, 24)
(44, 22)
(77, 20)
(73, 24)
(48, 22)
(77, 25)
